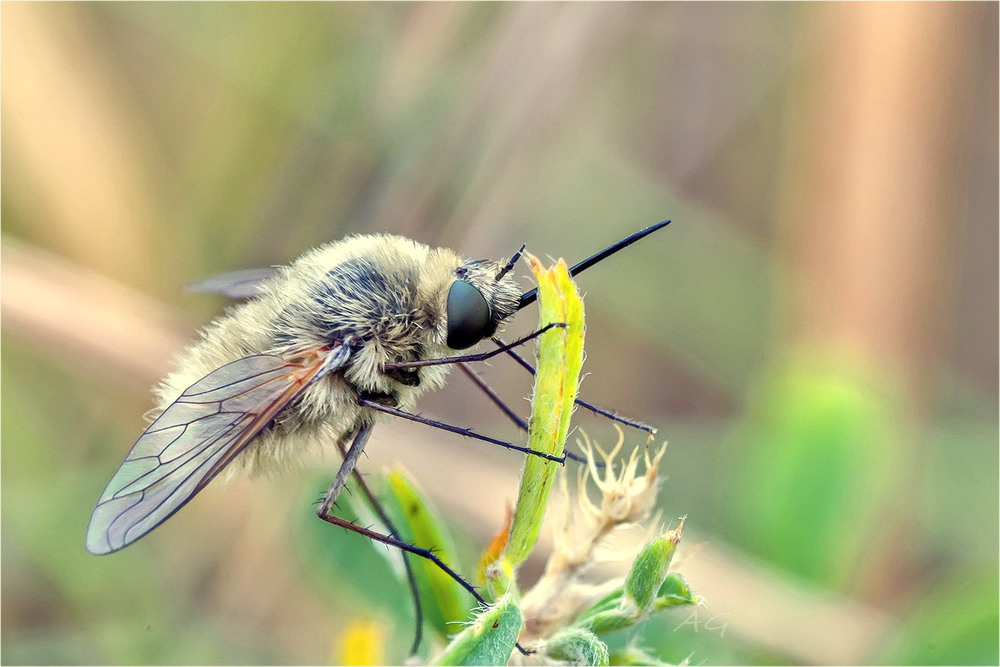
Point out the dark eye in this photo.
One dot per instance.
(469, 317)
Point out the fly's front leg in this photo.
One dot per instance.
(467, 432)
(483, 356)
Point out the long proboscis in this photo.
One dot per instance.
(529, 297)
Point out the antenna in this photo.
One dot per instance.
(510, 265)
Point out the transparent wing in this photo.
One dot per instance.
(195, 437)
(235, 284)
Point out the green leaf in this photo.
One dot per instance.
(609, 603)
(443, 601)
(577, 646)
(489, 640)
(674, 592)
(650, 569)
(622, 614)
(647, 588)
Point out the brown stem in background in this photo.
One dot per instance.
(865, 215)
(866, 228)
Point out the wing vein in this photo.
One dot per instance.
(193, 440)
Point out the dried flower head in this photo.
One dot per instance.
(626, 498)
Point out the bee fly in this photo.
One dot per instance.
(351, 330)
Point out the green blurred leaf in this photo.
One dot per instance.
(956, 623)
(444, 601)
(593, 617)
(819, 451)
(339, 562)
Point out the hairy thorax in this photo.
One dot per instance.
(385, 294)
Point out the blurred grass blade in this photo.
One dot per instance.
(442, 599)
(560, 358)
(489, 640)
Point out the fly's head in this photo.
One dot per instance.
(482, 297)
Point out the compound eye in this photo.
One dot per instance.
(468, 316)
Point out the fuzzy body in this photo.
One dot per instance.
(387, 291)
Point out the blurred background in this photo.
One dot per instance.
(815, 334)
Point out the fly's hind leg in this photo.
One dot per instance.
(325, 513)
(393, 531)
(346, 468)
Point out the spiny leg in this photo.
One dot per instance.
(415, 550)
(467, 432)
(493, 396)
(324, 512)
(508, 349)
(346, 468)
(509, 411)
(410, 576)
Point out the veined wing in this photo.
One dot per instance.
(235, 284)
(196, 437)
